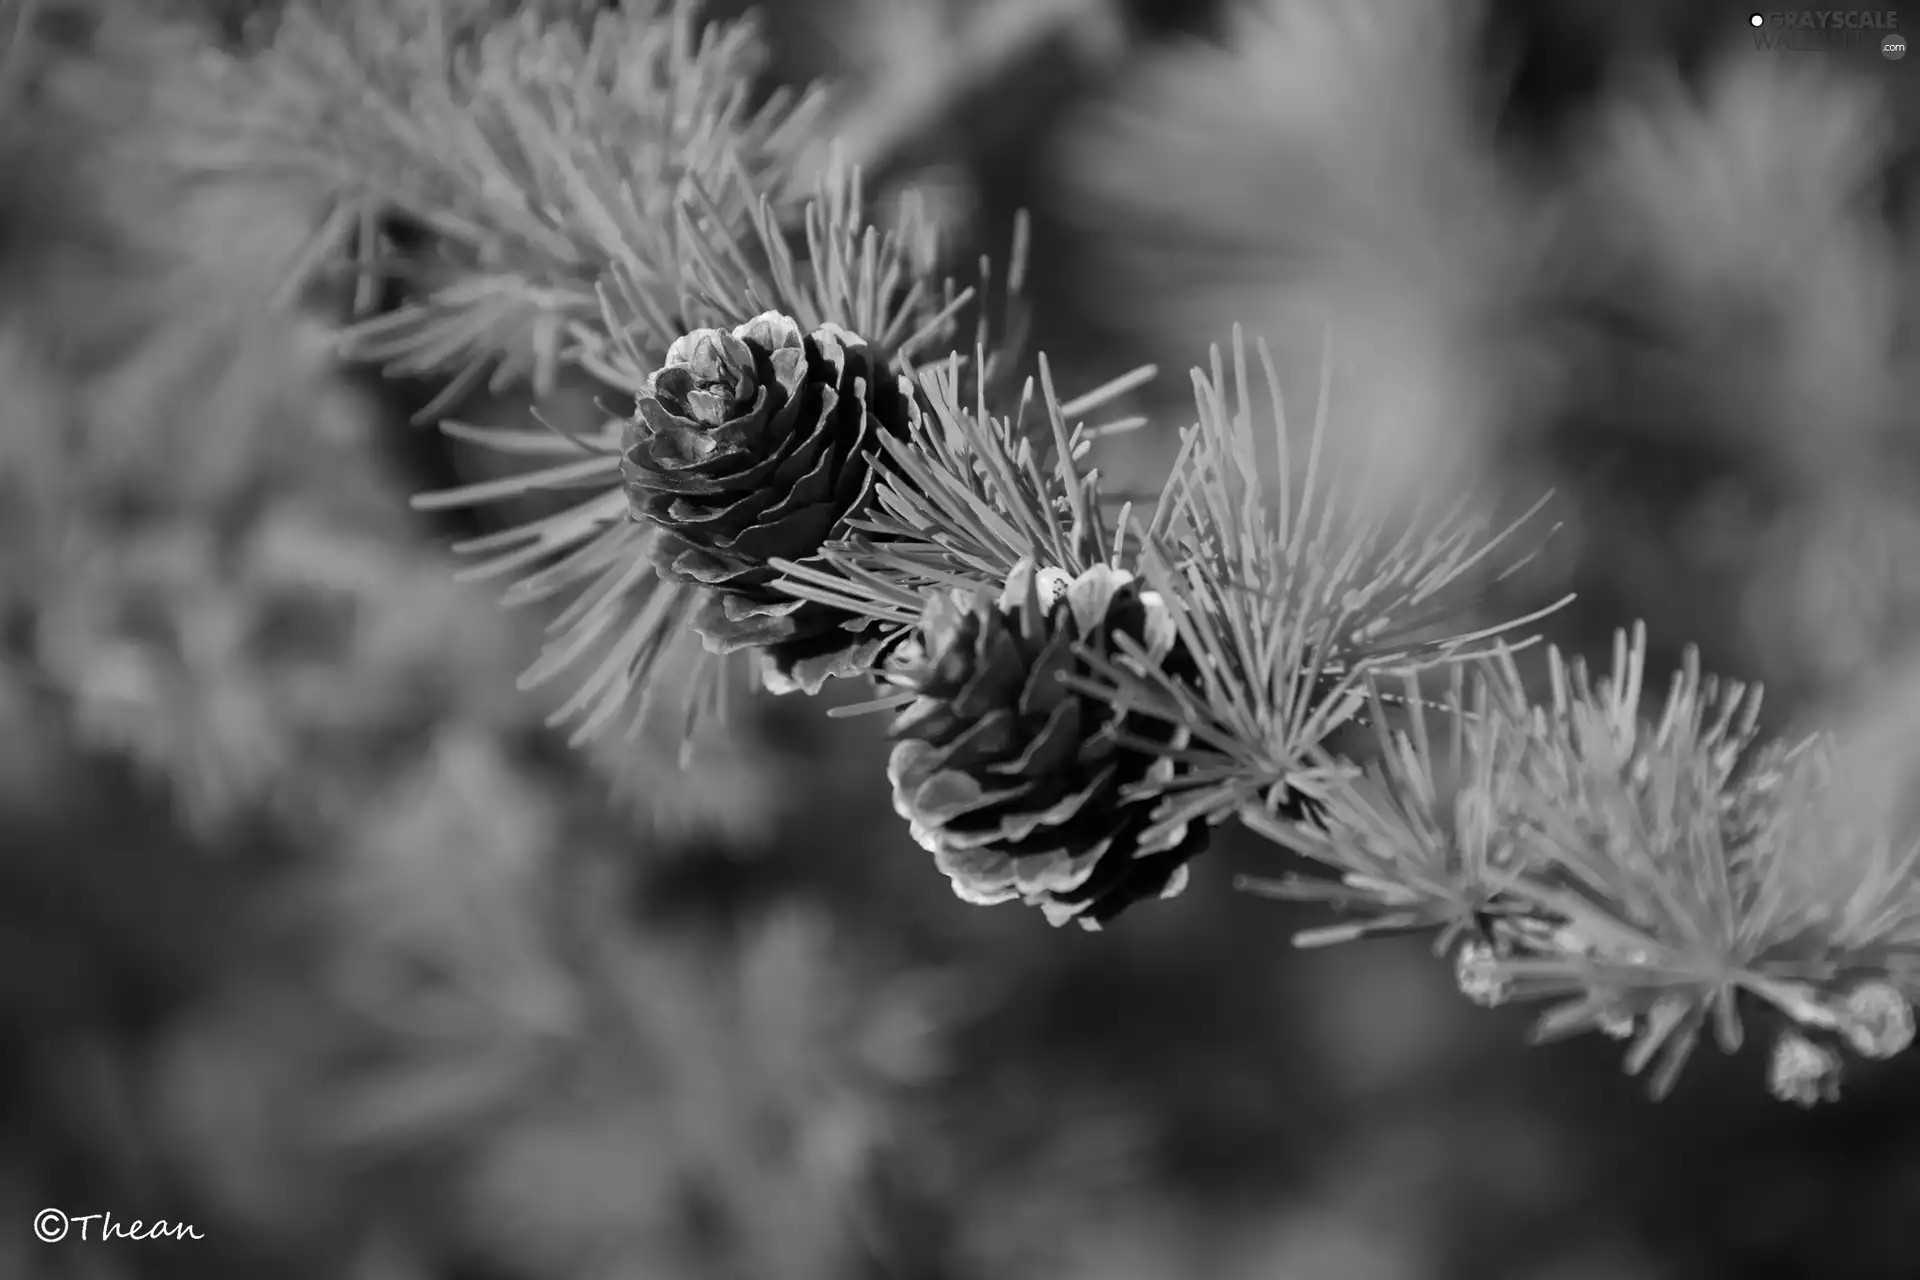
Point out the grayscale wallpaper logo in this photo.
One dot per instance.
(1829, 31)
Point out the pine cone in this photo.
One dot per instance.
(1020, 786)
(752, 445)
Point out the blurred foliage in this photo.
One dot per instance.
(317, 938)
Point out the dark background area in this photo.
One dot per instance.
(313, 936)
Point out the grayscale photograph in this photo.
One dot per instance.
(959, 640)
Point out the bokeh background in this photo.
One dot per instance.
(313, 935)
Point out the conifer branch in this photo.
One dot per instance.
(1658, 878)
(622, 615)
(807, 465)
(1292, 587)
(533, 153)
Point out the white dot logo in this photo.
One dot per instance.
(1894, 46)
(1756, 20)
(50, 1225)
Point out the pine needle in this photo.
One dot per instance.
(1290, 586)
(730, 258)
(534, 151)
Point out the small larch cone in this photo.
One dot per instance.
(750, 446)
(1022, 787)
